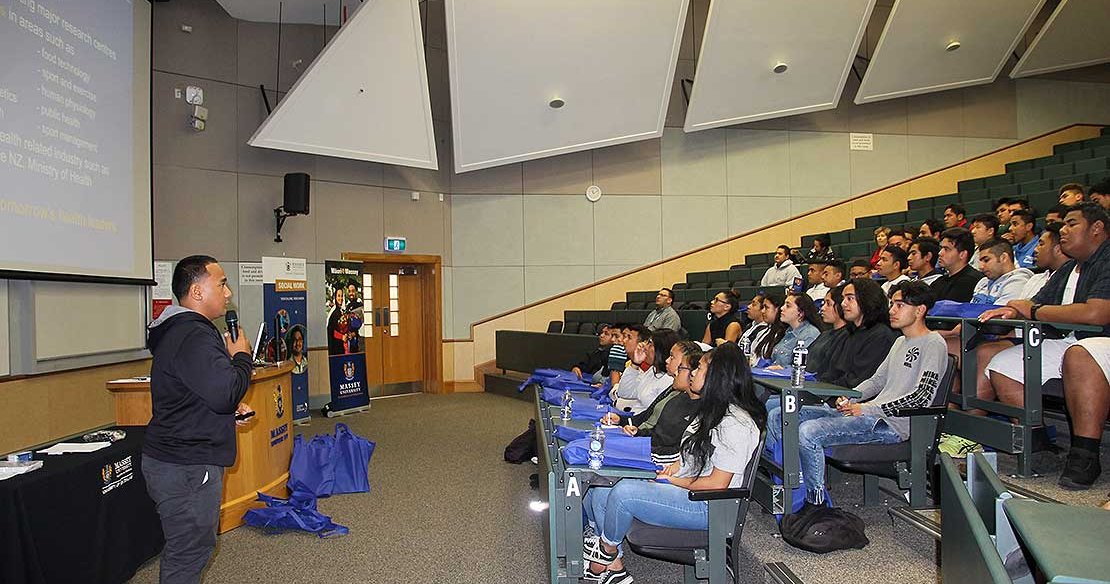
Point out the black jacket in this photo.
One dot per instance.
(596, 360)
(859, 355)
(195, 388)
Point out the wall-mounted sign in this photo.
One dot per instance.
(395, 244)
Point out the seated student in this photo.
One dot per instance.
(881, 235)
(908, 377)
(1002, 213)
(1078, 292)
(1056, 214)
(646, 376)
(931, 228)
(954, 216)
(868, 339)
(1100, 193)
(1086, 371)
(983, 229)
(815, 279)
(897, 238)
(820, 251)
(1071, 194)
(630, 334)
(893, 262)
(667, 417)
(595, 366)
(923, 260)
(833, 275)
(755, 332)
(1023, 229)
(958, 285)
(1048, 257)
(724, 319)
(715, 453)
(776, 329)
(664, 315)
(783, 272)
(862, 268)
(803, 324)
(828, 342)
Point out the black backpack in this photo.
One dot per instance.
(523, 447)
(823, 529)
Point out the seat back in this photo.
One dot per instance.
(587, 328)
(932, 425)
(555, 326)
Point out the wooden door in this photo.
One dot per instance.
(370, 332)
(396, 339)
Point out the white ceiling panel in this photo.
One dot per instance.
(612, 63)
(745, 39)
(1074, 36)
(290, 11)
(364, 97)
(912, 56)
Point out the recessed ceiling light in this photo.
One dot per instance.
(952, 46)
(780, 68)
(556, 103)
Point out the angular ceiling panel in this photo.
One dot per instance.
(746, 39)
(1074, 36)
(289, 11)
(611, 64)
(365, 96)
(916, 52)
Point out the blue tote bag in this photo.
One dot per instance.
(331, 465)
(620, 451)
(351, 456)
(297, 512)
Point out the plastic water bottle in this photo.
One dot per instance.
(567, 401)
(798, 375)
(597, 446)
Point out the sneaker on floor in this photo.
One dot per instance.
(1048, 460)
(593, 552)
(609, 577)
(957, 446)
(1081, 470)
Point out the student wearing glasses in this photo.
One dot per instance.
(664, 316)
(724, 322)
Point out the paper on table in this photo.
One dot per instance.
(66, 447)
(11, 469)
(131, 380)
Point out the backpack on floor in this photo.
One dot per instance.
(823, 529)
(523, 447)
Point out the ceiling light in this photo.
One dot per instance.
(556, 103)
(780, 67)
(952, 46)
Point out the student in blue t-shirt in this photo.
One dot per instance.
(1023, 228)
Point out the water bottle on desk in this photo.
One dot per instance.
(597, 446)
(567, 401)
(798, 375)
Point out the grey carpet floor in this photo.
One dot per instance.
(445, 508)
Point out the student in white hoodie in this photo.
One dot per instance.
(1002, 280)
(784, 272)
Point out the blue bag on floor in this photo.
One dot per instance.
(331, 465)
(798, 495)
(620, 451)
(351, 458)
(297, 512)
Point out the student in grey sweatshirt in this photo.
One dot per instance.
(907, 378)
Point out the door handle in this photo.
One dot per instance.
(385, 311)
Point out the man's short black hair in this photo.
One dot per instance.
(926, 246)
(1073, 187)
(935, 225)
(817, 261)
(1060, 210)
(1026, 216)
(670, 292)
(784, 246)
(642, 333)
(189, 271)
(988, 220)
(836, 265)
(998, 246)
(1023, 202)
(898, 256)
(1002, 201)
(1053, 231)
(823, 239)
(961, 240)
(1092, 213)
(915, 293)
(1102, 188)
(861, 264)
(956, 209)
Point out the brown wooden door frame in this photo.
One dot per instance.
(432, 284)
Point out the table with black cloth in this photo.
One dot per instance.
(79, 518)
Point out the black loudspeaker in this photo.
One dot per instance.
(296, 193)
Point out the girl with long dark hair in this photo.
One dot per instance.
(773, 300)
(716, 450)
(803, 323)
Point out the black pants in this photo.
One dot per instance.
(187, 498)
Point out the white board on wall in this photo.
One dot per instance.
(73, 320)
(5, 361)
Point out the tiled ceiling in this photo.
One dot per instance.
(1074, 36)
(341, 106)
(913, 55)
(611, 63)
(745, 40)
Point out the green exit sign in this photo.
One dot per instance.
(395, 244)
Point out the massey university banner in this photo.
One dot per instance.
(285, 310)
(346, 354)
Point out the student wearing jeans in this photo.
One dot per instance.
(908, 378)
(716, 450)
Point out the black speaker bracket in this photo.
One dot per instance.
(279, 217)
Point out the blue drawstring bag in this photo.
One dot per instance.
(351, 458)
(571, 434)
(297, 512)
(798, 495)
(544, 376)
(959, 309)
(620, 451)
(331, 465)
(582, 408)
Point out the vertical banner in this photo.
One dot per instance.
(346, 353)
(161, 296)
(285, 312)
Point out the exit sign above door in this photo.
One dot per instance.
(395, 244)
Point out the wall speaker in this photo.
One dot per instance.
(296, 193)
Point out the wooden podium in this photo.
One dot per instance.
(265, 446)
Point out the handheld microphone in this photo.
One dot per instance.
(232, 321)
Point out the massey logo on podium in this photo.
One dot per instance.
(279, 403)
(114, 475)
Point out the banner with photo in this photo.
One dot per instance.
(346, 353)
(285, 314)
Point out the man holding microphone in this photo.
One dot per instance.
(198, 378)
